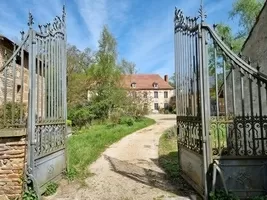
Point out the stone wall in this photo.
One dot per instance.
(12, 163)
(18, 86)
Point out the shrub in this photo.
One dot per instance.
(127, 120)
(69, 122)
(81, 115)
(115, 117)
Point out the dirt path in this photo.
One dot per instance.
(127, 170)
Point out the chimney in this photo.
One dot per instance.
(166, 78)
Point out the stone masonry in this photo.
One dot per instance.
(12, 162)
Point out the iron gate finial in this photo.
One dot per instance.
(30, 20)
(201, 12)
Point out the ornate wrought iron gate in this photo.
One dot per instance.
(221, 112)
(35, 97)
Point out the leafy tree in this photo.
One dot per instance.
(172, 81)
(247, 12)
(127, 67)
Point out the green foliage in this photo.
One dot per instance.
(69, 122)
(70, 174)
(29, 194)
(85, 148)
(127, 67)
(168, 153)
(11, 109)
(51, 189)
(81, 115)
(127, 120)
(247, 12)
(221, 195)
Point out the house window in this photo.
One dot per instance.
(155, 85)
(18, 88)
(165, 94)
(18, 60)
(133, 85)
(145, 95)
(156, 95)
(166, 105)
(156, 106)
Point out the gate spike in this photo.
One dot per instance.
(215, 26)
(249, 61)
(22, 35)
(258, 67)
(30, 20)
(63, 13)
(40, 27)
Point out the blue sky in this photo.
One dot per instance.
(142, 28)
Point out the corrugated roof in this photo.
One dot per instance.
(145, 81)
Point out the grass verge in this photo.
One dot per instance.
(168, 154)
(86, 146)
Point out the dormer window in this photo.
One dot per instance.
(155, 85)
(133, 85)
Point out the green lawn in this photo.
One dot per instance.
(86, 146)
(168, 154)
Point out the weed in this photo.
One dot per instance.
(51, 189)
(29, 194)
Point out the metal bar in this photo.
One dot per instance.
(49, 76)
(5, 92)
(243, 110)
(60, 79)
(233, 90)
(52, 75)
(13, 77)
(180, 71)
(252, 115)
(261, 116)
(216, 81)
(65, 74)
(42, 77)
(225, 88)
(31, 107)
(38, 74)
(57, 78)
(176, 70)
(46, 79)
(22, 85)
(234, 110)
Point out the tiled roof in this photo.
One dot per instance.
(145, 81)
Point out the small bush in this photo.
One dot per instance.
(127, 120)
(69, 122)
(30, 194)
(115, 117)
(81, 115)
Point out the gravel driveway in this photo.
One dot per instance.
(127, 170)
